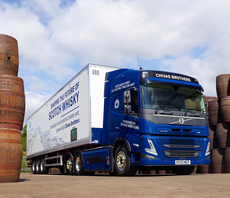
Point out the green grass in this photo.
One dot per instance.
(24, 165)
(24, 144)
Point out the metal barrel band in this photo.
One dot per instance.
(10, 141)
(15, 79)
(10, 167)
(14, 110)
(10, 121)
(9, 131)
(13, 91)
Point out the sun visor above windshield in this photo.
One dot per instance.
(154, 77)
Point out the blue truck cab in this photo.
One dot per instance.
(119, 121)
(154, 118)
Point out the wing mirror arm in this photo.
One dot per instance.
(128, 107)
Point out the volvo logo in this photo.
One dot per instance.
(181, 121)
(116, 104)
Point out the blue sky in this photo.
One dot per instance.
(57, 38)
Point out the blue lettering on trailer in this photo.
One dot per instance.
(70, 101)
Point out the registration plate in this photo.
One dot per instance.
(182, 162)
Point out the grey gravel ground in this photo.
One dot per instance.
(198, 185)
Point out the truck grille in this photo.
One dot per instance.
(177, 153)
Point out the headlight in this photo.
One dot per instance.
(207, 149)
(152, 149)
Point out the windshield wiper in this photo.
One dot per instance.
(192, 114)
(166, 112)
(163, 111)
(159, 106)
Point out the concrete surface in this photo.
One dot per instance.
(198, 185)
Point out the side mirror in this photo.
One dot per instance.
(128, 109)
(127, 98)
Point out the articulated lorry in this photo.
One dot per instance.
(120, 120)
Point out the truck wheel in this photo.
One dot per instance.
(122, 162)
(43, 169)
(184, 170)
(33, 167)
(68, 164)
(38, 166)
(78, 165)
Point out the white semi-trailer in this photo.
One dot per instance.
(92, 124)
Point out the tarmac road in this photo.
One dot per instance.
(198, 185)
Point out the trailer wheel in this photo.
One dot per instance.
(43, 169)
(122, 162)
(33, 167)
(38, 166)
(78, 164)
(68, 164)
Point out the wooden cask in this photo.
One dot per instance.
(9, 59)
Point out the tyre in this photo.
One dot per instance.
(122, 162)
(38, 166)
(184, 170)
(33, 167)
(68, 164)
(43, 169)
(78, 164)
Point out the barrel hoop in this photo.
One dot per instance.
(10, 78)
(10, 167)
(9, 66)
(8, 128)
(10, 90)
(10, 141)
(14, 110)
(9, 131)
(14, 78)
(224, 105)
(10, 121)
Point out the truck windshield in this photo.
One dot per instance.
(169, 97)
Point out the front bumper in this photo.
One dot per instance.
(172, 150)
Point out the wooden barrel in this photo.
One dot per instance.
(211, 98)
(12, 100)
(227, 160)
(205, 102)
(8, 55)
(222, 130)
(10, 154)
(225, 109)
(214, 113)
(203, 169)
(222, 85)
(169, 171)
(152, 172)
(212, 130)
(161, 172)
(194, 171)
(217, 157)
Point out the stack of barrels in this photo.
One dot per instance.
(12, 109)
(219, 125)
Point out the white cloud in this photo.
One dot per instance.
(38, 84)
(54, 39)
(33, 102)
